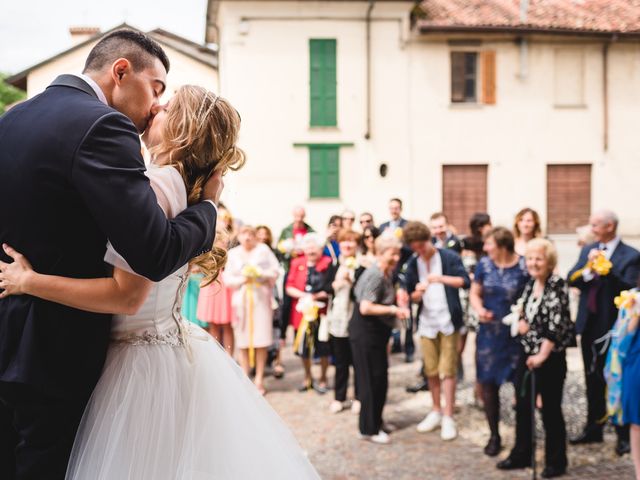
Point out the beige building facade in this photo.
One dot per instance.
(457, 119)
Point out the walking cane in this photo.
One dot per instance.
(533, 423)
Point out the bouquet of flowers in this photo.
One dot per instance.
(251, 272)
(351, 263)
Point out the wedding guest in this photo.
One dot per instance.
(479, 227)
(339, 315)
(367, 248)
(214, 306)
(374, 316)
(599, 283)
(251, 272)
(432, 278)
(332, 248)
(631, 391)
(310, 280)
(190, 297)
(546, 330)
(348, 219)
(228, 224)
(394, 226)
(498, 282)
(265, 236)
(525, 227)
(366, 220)
(441, 234)
(289, 247)
(395, 213)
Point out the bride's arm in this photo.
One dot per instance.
(124, 293)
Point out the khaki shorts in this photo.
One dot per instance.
(440, 355)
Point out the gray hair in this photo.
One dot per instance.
(608, 216)
(313, 239)
(386, 241)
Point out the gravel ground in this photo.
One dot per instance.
(333, 447)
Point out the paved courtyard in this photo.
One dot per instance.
(332, 446)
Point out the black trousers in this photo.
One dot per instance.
(341, 350)
(549, 384)
(36, 432)
(370, 364)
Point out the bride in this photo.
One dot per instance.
(170, 404)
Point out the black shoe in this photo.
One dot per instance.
(622, 447)
(421, 386)
(551, 472)
(511, 463)
(590, 434)
(493, 447)
(408, 358)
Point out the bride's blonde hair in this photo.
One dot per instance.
(199, 138)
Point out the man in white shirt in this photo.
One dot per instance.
(432, 278)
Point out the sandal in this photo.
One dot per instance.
(305, 387)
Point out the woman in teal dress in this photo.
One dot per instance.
(190, 299)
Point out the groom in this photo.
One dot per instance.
(73, 177)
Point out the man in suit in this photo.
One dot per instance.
(394, 226)
(597, 314)
(73, 177)
(441, 235)
(395, 212)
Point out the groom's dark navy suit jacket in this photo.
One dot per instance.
(71, 177)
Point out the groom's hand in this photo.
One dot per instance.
(213, 188)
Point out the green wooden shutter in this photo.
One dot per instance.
(322, 90)
(324, 171)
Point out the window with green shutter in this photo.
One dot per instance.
(322, 89)
(324, 171)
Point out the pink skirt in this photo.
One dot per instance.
(214, 303)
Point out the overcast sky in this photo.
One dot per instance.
(34, 30)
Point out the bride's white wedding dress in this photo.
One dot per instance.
(171, 404)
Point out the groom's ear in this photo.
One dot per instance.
(119, 69)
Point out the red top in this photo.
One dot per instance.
(297, 278)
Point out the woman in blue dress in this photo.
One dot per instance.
(499, 280)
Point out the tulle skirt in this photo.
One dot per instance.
(157, 415)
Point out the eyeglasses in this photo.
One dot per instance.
(366, 220)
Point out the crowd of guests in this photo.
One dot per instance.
(356, 293)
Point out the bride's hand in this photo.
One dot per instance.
(213, 188)
(13, 276)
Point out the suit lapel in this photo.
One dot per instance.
(73, 82)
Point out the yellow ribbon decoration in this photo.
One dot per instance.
(309, 314)
(251, 273)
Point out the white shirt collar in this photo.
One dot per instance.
(96, 88)
(611, 246)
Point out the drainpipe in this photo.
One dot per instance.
(524, 43)
(605, 95)
(367, 135)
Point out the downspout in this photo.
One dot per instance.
(605, 95)
(367, 135)
(524, 43)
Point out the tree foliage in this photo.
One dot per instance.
(8, 93)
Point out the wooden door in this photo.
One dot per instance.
(464, 192)
(568, 197)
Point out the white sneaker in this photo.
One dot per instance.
(381, 438)
(355, 407)
(448, 429)
(335, 406)
(430, 422)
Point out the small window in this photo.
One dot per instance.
(324, 171)
(464, 70)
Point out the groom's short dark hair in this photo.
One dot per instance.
(138, 48)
